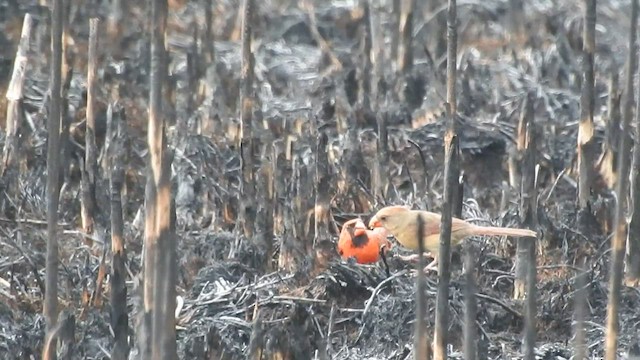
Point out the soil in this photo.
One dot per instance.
(342, 310)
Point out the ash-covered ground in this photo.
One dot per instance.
(340, 310)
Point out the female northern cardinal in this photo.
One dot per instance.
(401, 222)
(366, 246)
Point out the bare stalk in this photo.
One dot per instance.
(632, 258)
(421, 337)
(619, 235)
(376, 55)
(209, 50)
(245, 144)
(264, 220)
(159, 257)
(114, 19)
(528, 216)
(451, 174)
(381, 174)
(451, 171)
(586, 147)
(470, 332)
(405, 56)
(580, 306)
(522, 252)
(67, 73)
(164, 295)
(14, 95)
(395, 33)
(322, 187)
(50, 309)
(90, 172)
(118, 295)
(452, 55)
(607, 163)
(367, 54)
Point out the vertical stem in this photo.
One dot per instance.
(118, 296)
(382, 173)
(322, 187)
(367, 53)
(452, 54)
(50, 308)
(586, 151)
(405, 59)
(608, 166)
(580, 301)
(451, 173)
(421, 339)
(633, 240)
(619, 235)
(470, 333)
(91, 153)
(15, 91)
(528, 211)
(522, 252)
(395, 33)
(247, 212)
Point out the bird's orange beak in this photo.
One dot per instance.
(374, 223)
(359, 232)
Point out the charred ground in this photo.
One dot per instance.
(350, 310)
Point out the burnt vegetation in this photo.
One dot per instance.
(175, 174)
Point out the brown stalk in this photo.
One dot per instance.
(451, 174)
(164, 263)
(470, 332)
(90, 173)
(367, 54)
(159, 243)
(522, 151)
(405, 56)
(50, 308)
(580, 309)
(528, 215)
(395, 33)
(14, 109)
(381, 169)
(421, 335)
(632, 268)
(118, 295)
(622, 187)
(586, 144)
(607, 163)
(114, 20)
(322, 187)
(67, 73)
(209, 50)
(245, 141)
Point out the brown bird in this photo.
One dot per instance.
(401, 222)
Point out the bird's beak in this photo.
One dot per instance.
(359, 232)
(374, 223)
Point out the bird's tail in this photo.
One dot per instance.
(503, 231)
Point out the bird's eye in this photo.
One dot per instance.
(383, 218)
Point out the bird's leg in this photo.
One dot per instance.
(384, 260)
(413, 257)
(433, 266)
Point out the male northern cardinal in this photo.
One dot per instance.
(366, 246)
(401, 222)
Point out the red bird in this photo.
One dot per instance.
(366, 246)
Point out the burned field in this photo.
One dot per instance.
(334, 136)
